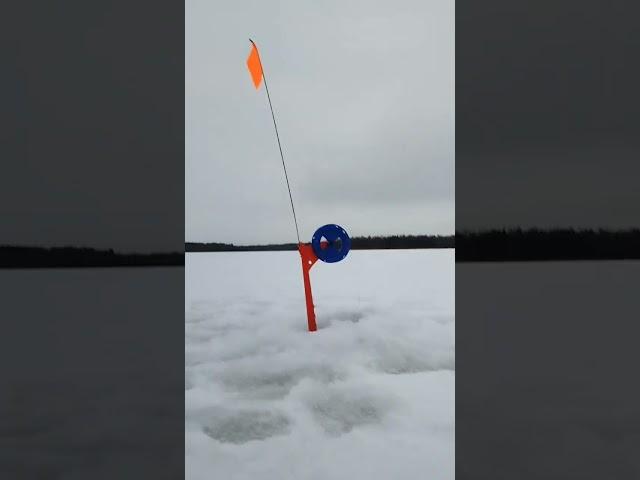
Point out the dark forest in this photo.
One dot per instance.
(483, 246)
(357, 243)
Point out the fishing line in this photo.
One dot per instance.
(275, 125)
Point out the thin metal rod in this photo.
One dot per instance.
(264, 77)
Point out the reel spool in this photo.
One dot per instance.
(331, 243)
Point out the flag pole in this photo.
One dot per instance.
(307, 255)
(275, 125)
(330, 243)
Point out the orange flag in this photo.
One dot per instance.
(255, 68)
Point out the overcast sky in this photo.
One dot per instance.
(363, 93)
(92, 148)
(547, 115)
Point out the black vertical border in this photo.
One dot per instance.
(547, 136)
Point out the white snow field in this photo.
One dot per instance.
(370, 395)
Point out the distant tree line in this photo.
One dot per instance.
(357, 243)
(557, 244)
(57, 257)
(402, 241)
(230, 247)
(488, 246)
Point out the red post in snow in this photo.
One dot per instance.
(308, 258)
(329, 244)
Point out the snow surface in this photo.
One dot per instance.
(547, 355)
(85, 375)
(370, 395)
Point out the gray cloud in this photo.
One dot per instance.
(547, 101)
(364, 98)
(93, 142)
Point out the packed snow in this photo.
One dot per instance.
(370, 395)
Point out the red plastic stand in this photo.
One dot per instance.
(308, 257)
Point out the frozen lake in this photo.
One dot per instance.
(89, 358)
(547, 370)
(370, 395)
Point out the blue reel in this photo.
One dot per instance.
(337, 243)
